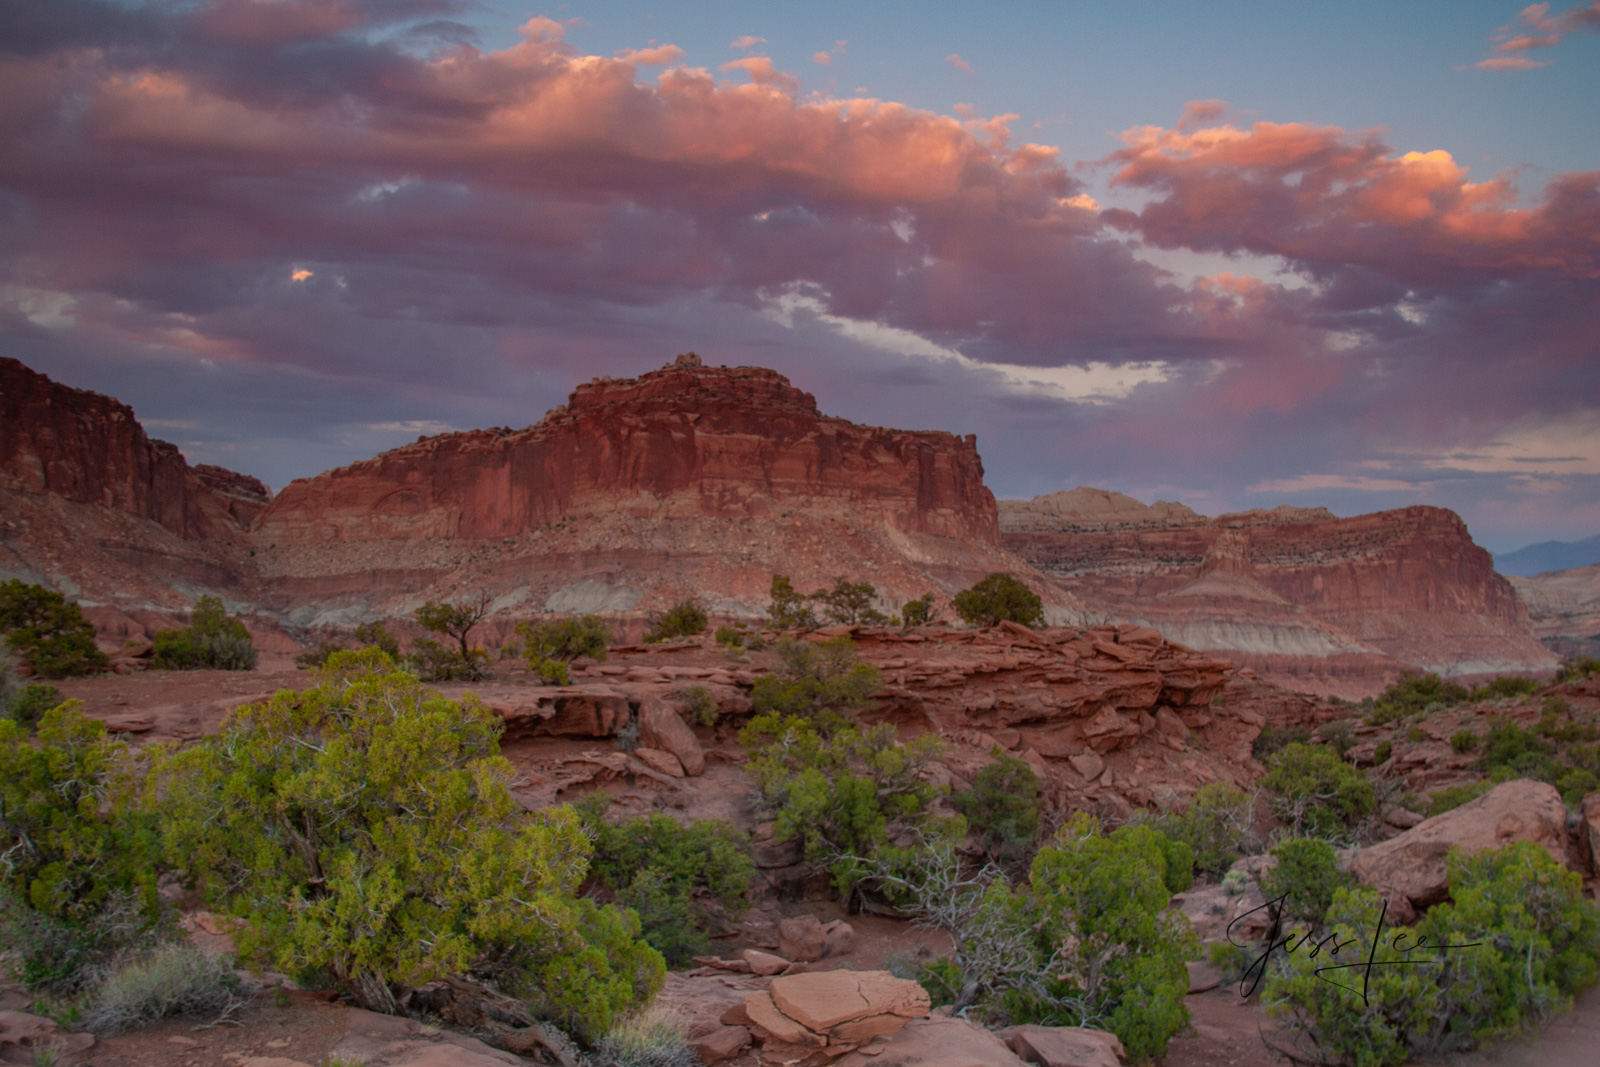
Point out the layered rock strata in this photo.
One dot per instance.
(1338, 605)
(687, 481)
(1564, 607)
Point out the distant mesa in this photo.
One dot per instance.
(698, 481)
(1310, 600)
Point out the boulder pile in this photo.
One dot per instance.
(814, 1018)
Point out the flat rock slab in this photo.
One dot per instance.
(937, 1042)
(1064, 1046)
(823, 1000)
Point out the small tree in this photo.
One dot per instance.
(377, 635)
(552, 644)
(1305, 876)
(47, 631)
(1315, 793)
(455, 620)
(918, 612)
(683, 619)
(212, 639)
(78, 859)
(813, 677)
(365, 829)
(850, 603)
(999, 598)
(789, 610)
(1003, 807)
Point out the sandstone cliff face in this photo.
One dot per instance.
(1565, 609)
(89, 449)
(1357, 597)
(687, 481)
(687, 441)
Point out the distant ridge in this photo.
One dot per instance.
(1549, 556)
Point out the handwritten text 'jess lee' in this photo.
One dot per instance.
(1293, 942)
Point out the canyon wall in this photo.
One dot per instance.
(1337, 605)
(687, 481)
(1565, 609)
(89, 449)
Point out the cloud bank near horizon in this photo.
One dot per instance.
(298, 230)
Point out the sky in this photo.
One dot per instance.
(1237, 255)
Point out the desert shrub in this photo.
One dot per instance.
(651, 1039)
(789, 610)
(1275, 738)
(1087, 940)
(1381, 754)
(999, 598)
(1413, 695)
(342, 822)
(1520, 938)
(1577, 667)
(1463, 741)
(1114, 954)
(850, 604)
(1518, 752)
(213, 639)
(47, 631)
(1556, 723)
(917, 612)
(550, 645)
(1236, 882)
(731, 636)
(377, 635)
(1505, 688)
(683, 619)
(1217, 825)
(1003, 807)
(173, 979)
(317, 657)
(697, 705)
(812, 678)
(78, 859)
(683, 881)
(368, 635)
(1453, 796)
(27, 705)
(1179, 871)
(1336, 735)
(844, 791)
(1416, 735)
(564, 640)
(1305, 876)
(1315, 793)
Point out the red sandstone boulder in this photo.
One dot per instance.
(1409, 871)
(936, 1042)
(802, 939)
(1064, 1046)
(662, 728)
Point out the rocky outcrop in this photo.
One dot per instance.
(1066, 1046)
(89, 449)
(1410, 872)
(689, 480)
(1339, 605)
(1564, 607)
(827, 1014)
(936, 1042)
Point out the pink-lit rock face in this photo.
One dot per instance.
(1289, 590)
(89, 449)
(686, 441)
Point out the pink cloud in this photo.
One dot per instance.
(747, 41)
(1510, 63)
(821, 58)
(1321, 195)
(1548, 31)
(658, 56)
(955, 60)
(763, 73)
(1198, 113)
